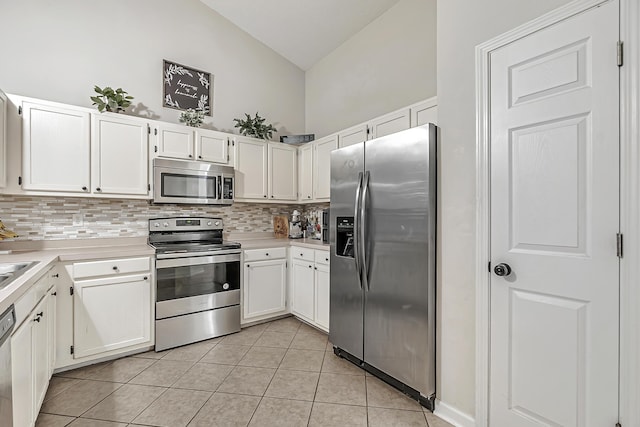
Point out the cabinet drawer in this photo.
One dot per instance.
(264, 254)
(302, 253)
(322, 257)
(110, 267)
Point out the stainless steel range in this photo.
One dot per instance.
(197, 280)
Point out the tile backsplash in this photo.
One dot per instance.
(51, 218)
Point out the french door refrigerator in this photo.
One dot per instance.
(382, 235)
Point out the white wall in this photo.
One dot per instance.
(389, 64)
(463, 24)
(60, 50)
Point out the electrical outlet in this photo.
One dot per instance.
(77, 220)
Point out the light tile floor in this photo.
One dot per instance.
(281, 373)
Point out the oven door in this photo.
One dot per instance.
(194, 284)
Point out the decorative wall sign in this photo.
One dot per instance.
(186, 87)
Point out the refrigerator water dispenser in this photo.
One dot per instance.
(344, 236)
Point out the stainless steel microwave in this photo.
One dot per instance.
(192, 183)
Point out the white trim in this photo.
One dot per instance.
(630, 214)
(452, 415)
(630, 205)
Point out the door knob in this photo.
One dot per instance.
(502, 269)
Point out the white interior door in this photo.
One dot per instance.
(554, 218)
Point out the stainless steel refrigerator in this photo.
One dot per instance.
(382, 235)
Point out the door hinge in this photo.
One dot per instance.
(149, 129)
(619, 243)
(368, 130)
(155, 148)
(20, 110)
(228, 158)
(19, 180)
(148, 187)
(71, 349)
(70, 290)
(620, 53)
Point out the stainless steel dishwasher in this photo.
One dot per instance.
(7, 322)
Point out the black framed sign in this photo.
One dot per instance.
(186, 87)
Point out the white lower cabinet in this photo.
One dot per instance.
(264, 284)
(310, 286)
(111, 314)
(31, 354)
(105, 308)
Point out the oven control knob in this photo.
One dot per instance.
(225, 286)
(166, 224)
(157, 224)
(208, 222)
(217, 223)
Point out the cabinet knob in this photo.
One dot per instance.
(98, 189)
(54, 294)
(326, 259)
(190, 156)
(37, 319)
(55, 275)
(300, 254)
(308, 197)
(248, 266)
(40, 314)
(310, 266)
(199, 157)
(315, 268)
(84, 188)
(267, 254)
(145, 278)
(272, 197)
(115, 267)
(265, 196)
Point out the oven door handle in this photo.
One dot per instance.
(198, 260)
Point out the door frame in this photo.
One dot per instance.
(629, 341)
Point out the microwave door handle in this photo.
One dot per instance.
(220, 187)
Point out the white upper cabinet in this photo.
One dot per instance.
(175, 141)
(305, 172)
(390, 123)
(188, 143)
(119, 155)
(424, 112)
(265, 170)
(251, 168)
(212, 146)
(322, 149)
(282, 169)
(56, 148)
(352, 135)
(3, 139)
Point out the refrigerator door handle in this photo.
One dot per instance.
(356, 230)
(362, 233)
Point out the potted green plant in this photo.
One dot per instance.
(111, 100)
(255, 127)
(192, 117)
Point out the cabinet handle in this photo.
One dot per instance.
(115, 267)
(55, 275)
(40, 314)
(98, 189)
(37, 319)
(54, 294)
(84, 188)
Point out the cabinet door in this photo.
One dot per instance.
(175, 141)
(51, 329)
(321, 274)
(264, 288)
(424, 112)
(39, 347)
(55, 148)
(322, 167)
(22, 374)
(302, 289)
(390, 123)
(251, 168)
(3, 139)
(119, 155)
(352, 135)
(111, 313)
(283, 172)
(305, 172)
(212, 146)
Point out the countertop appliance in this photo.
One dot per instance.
(197, 280)
(7, 323)
(382, 233)
(199, 183)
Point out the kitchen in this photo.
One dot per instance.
(247, 74)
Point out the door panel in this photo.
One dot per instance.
(346, 297)
(399, 323)
(554, 219)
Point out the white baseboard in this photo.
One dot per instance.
(453, 415)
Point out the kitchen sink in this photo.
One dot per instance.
(9, 271)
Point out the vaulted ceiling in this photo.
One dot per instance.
(303, 31)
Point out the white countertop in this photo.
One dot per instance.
(47, 252)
